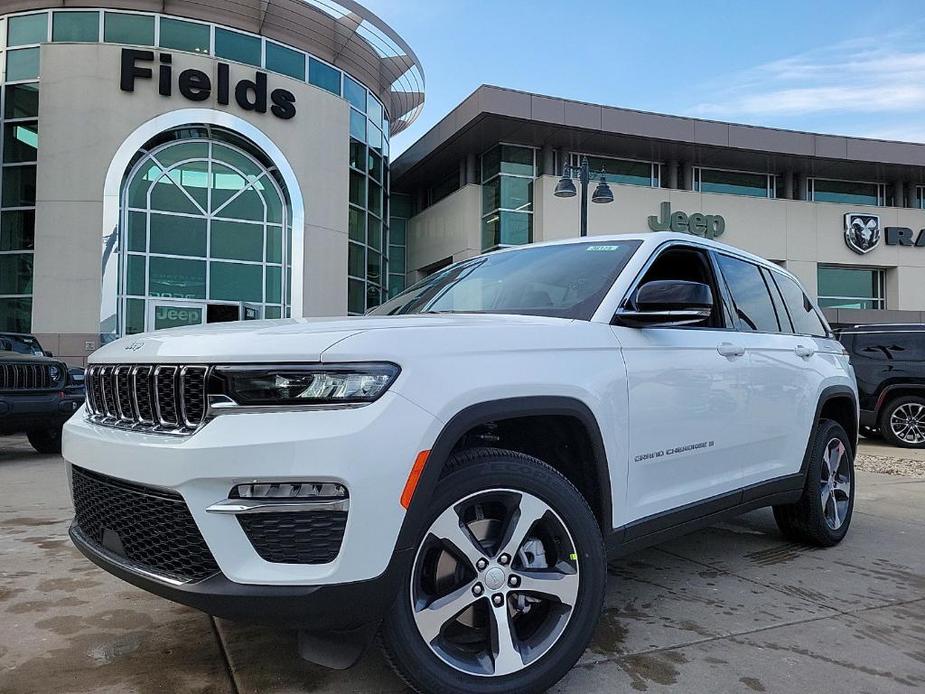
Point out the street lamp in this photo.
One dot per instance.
(565, 188)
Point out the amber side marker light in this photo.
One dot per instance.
(413, 477)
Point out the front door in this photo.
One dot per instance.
(687, 401)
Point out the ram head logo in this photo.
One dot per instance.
(862, 232)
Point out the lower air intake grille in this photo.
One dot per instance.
(312, 537)
(152, 528)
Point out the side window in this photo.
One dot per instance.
(751, 299)
(892, 347)
(786, 326)
(691, 265)
(806, 320)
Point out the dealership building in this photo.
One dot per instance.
(173, 162)
(178, 162)
(845, 215)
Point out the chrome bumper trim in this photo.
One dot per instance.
(241, 506)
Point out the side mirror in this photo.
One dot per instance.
(47, 353)
(667, 303)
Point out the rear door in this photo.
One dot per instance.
(784, 370)
(687, 401)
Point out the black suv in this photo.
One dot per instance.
(37, 393)
(889, 361)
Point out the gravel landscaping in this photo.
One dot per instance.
(890, 465)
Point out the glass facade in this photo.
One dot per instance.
(205, 227)
(19, 154)
(507, 196)
(847, 192)
(400, 206)
(368, 216)
(734, 182)
(848, 287)
(623, 171)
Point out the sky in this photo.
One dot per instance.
(851, 67)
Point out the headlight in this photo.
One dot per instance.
(306, 385)
(54, 373)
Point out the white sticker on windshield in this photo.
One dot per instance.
(603, 248)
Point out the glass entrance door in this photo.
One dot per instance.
(205, 234)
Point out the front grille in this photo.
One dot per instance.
(30, 376)
(165, 399)
(152, 528)
(311, 537)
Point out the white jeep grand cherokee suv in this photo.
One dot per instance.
(453, 470)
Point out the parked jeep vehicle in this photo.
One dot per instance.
(889, 360)
(453, 470)
(37, 393)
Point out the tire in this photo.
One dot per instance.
(479, 493)
(45, 441)
(870, 432)
(811, 520)
(902, 422)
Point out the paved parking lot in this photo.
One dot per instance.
(733, 608)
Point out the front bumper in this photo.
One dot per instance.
(369, 450)
(28, 411)
(868, 418)
(316, 608)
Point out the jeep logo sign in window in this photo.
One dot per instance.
(196, 85)
(709, 226)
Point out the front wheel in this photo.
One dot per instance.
(45, 441)
(507, 583)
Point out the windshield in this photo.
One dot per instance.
(563, 281)
(21, 344)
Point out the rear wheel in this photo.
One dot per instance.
(507, 583)
(903, 422)
(46, 441)
(822, 515)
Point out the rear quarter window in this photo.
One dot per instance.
(806, 320)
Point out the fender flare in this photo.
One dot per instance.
(885, 394)
(828, 394)
(492, 410)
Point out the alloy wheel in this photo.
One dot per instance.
(835, 485)
(908, 422)
(495, 582)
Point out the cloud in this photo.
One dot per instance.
(855, 76)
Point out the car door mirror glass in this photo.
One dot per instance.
(667, 303)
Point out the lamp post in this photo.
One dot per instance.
(565, 188)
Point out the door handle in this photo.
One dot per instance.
(804, 352)
(727, 349)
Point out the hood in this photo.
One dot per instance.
(295, 339)
(8, 357)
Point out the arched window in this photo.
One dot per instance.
(204, 235)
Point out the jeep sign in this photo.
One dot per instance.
(709, 226)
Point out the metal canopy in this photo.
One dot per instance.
(494, 114)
